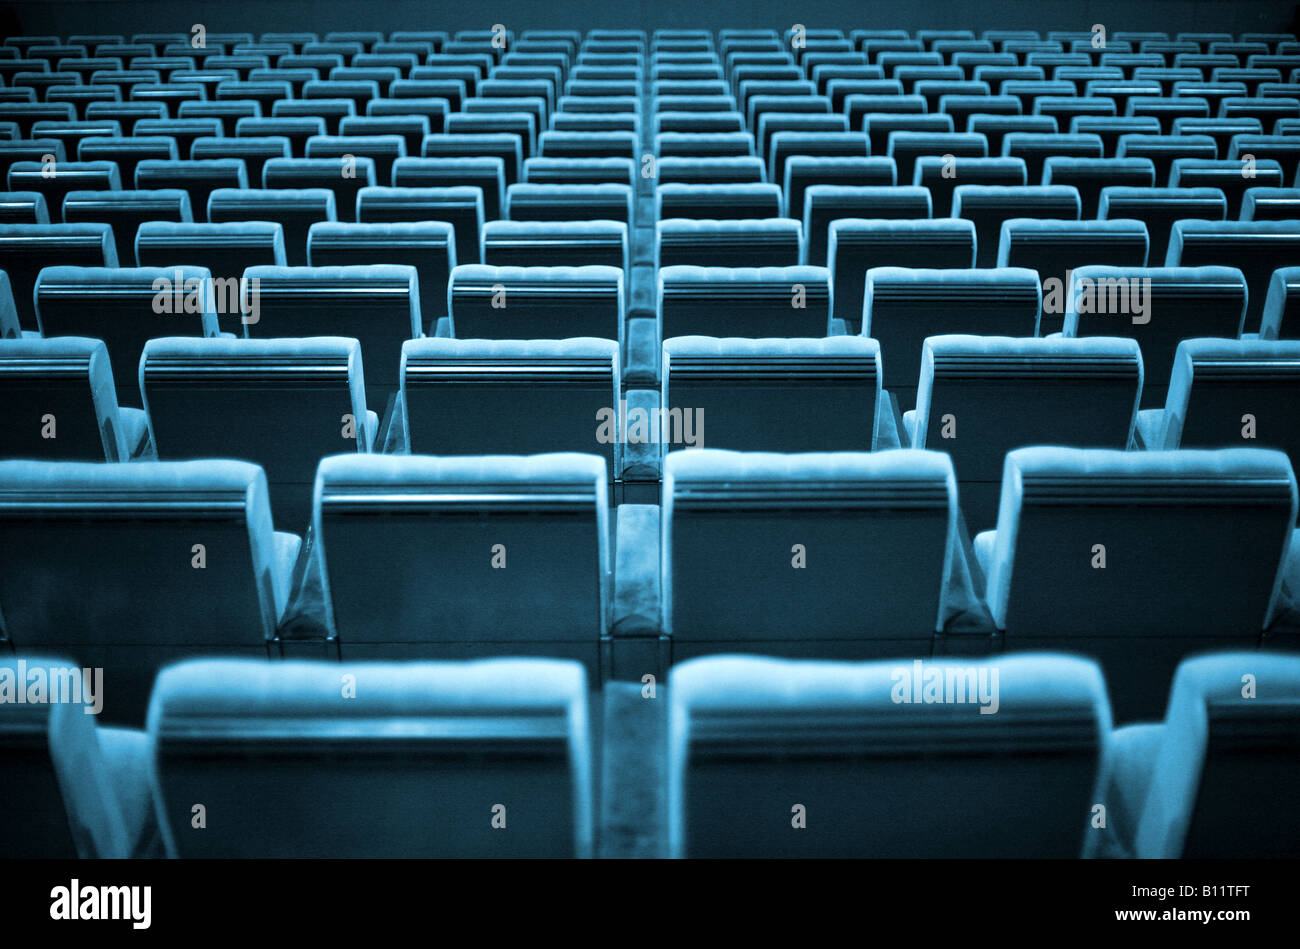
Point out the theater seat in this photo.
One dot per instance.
(1280, 305)
(990, 205)
(824, 204)
(61, 404)
(1159, 307)
(1160, 209)
(323, 173)
(536, 302)
(743, 783)
(771, 242)
(785, 395)
(1256, 247)
(981, 396)
(461, 207)
(744, 301)
(1229, 393)
(73, 789)
(902, 307)
(807, 554)
(125, 307)
(555, 244)
(125, 211)
(376, 304)
(454, 557)
(224, 249)
(523, 724)
(1138, 558)
(26, 249)
(128, 567)
(1217, 769)
(717, 201)
(295, 210)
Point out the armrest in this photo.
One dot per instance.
(126, 754)
(285, 552)
(837, 327)
(444, 329)
(1250, 335)
(307, 616)
(392, 438)
(32, 334)
(227, 335)
(134, 424)
(643, 352)
(964, 609)
(637, 583)
(643, 288)
(1148, 433)
(372, 429)
(1130, 766)
(909, 426)
(642, 461)
(984, 549)
(889, 425)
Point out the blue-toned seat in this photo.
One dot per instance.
(1257, 248)
(1163, 149)
(906, 148)
(717, 201)
(1159, 209)
(982, 396)
(1270, 204)
(61, 404)
(1090, 175)
(73, 789)
(127, 152)
(524, 722)
(254, 152)
(198, 179)
(555, 244)
(754, 302)
(428, 246)
(281, 403)
(801, 171)
(24, 207)
(295, 210)
(531, 303)
(323, 173)
(786, 395)
(465, 550)
(1138, 558)
(857, 244)
(224, 249)
(990, 205)
(128, 567)
(382, 150)
(26, 249)
(126, 307)
(824, 204)
(941, 176)
(376, 304)
(555, 202)
(1227, 176)
(125, 211)
(1157, 306)
(831, 554)
(1282, 305)
(506, 146)
(461, 207)
(1213, 778)
(771, 242)
(738, 733)
(904, 306)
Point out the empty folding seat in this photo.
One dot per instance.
(23, 207)
(786, 395)
(709, 171)
(816, 144)
(990, 205)
(824, 204)
(1256, 247)
(25, 114)
(428, 246)
(1227, 176)
(1159, 209)
(737, 730)
(902, 307)
(1220, 129)
(75, 789)
(1284, 149)
(295, 210)
(1157, 306)
(329, 173)
(754, 302)
(69, 176)
(253, 152)
(102, 563)
(1228, 393)
(1110, 128)
(382, 150)
(1169, 110)
(941, 175)
(281, 403)
(505, 146)
(1182, 551)
(377, 304)
(1270, 204)
(603, 202)
(1206, 781)
(730, 583)
(490, 396)
(1163, 149)
(419, 523)
(485, 173)
(460, 207)
(224, 249)
(1282, 305)
(127, 152)
(294, 737)
(26, 249)
(555, 243)
(582, 171)
(801, 171)
(410, 128)
(982, 396)
(879, 126)
(198, 179)
(1036, 149)
(907, 148)
(717, 202)
(1091, 175)
(125, 211)
(773, 242)
(61, 404)
(70, 133)
(532, 302)
(296, 129)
